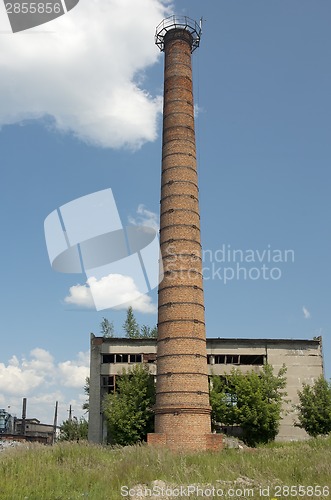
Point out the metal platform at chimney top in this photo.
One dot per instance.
(178, 22)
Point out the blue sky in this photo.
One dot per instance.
(80, 112)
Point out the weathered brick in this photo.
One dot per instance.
(182, 408)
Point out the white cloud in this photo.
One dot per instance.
(145, 217)
(76, 371)
(116, 291)
(112, 289)
(43, 381)
(26, 374)
(41, 361)
(18, 379)
(83, 71)
(306, 313)
(81, 296)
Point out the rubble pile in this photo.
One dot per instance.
(5, 444)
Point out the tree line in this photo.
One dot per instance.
(130, 326)
(252, 401)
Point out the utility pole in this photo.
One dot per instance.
(55, 422)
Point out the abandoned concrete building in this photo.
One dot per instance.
(33, 428)
(303, 359)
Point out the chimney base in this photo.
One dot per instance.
(187, 443)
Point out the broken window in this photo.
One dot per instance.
(108, 358)
(108, 383)
(149, 358)
(232, 359)
(216, 359)
(251, 359)
(115, 358)
(135, 358)
(236, 359)
(122, 358)
(219, 359)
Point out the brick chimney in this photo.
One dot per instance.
(182, 411)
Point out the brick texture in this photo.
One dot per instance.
(182, 411)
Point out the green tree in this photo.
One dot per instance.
(146, 332)
(107, 328)
(129, 411)
(86, 405)
(74, 429)
(223, 400)
(252, 401)
(314, 410)
(134, 331)
(130, 326)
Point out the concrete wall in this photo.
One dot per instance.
(95, 428)
(97, 432)
(304, 363)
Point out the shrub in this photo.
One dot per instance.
(129, 411)
(314, 410)
(252, 401)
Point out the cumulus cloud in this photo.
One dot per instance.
(145, 217)
(306, 313)
(75, 371)
(84, 72)
(28, 373)
(18, 379)
(39, 368)
(43, 381)
(41, 360)
(117, 291)
(112, 289)
(81, 296)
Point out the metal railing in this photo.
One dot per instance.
(178, 22)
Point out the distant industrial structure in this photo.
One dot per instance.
(6, 422)
(303, 359)
(26, 429)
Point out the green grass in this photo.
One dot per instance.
(72, 471)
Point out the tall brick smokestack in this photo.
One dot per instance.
(182, 411)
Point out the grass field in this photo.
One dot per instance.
(79, 470)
